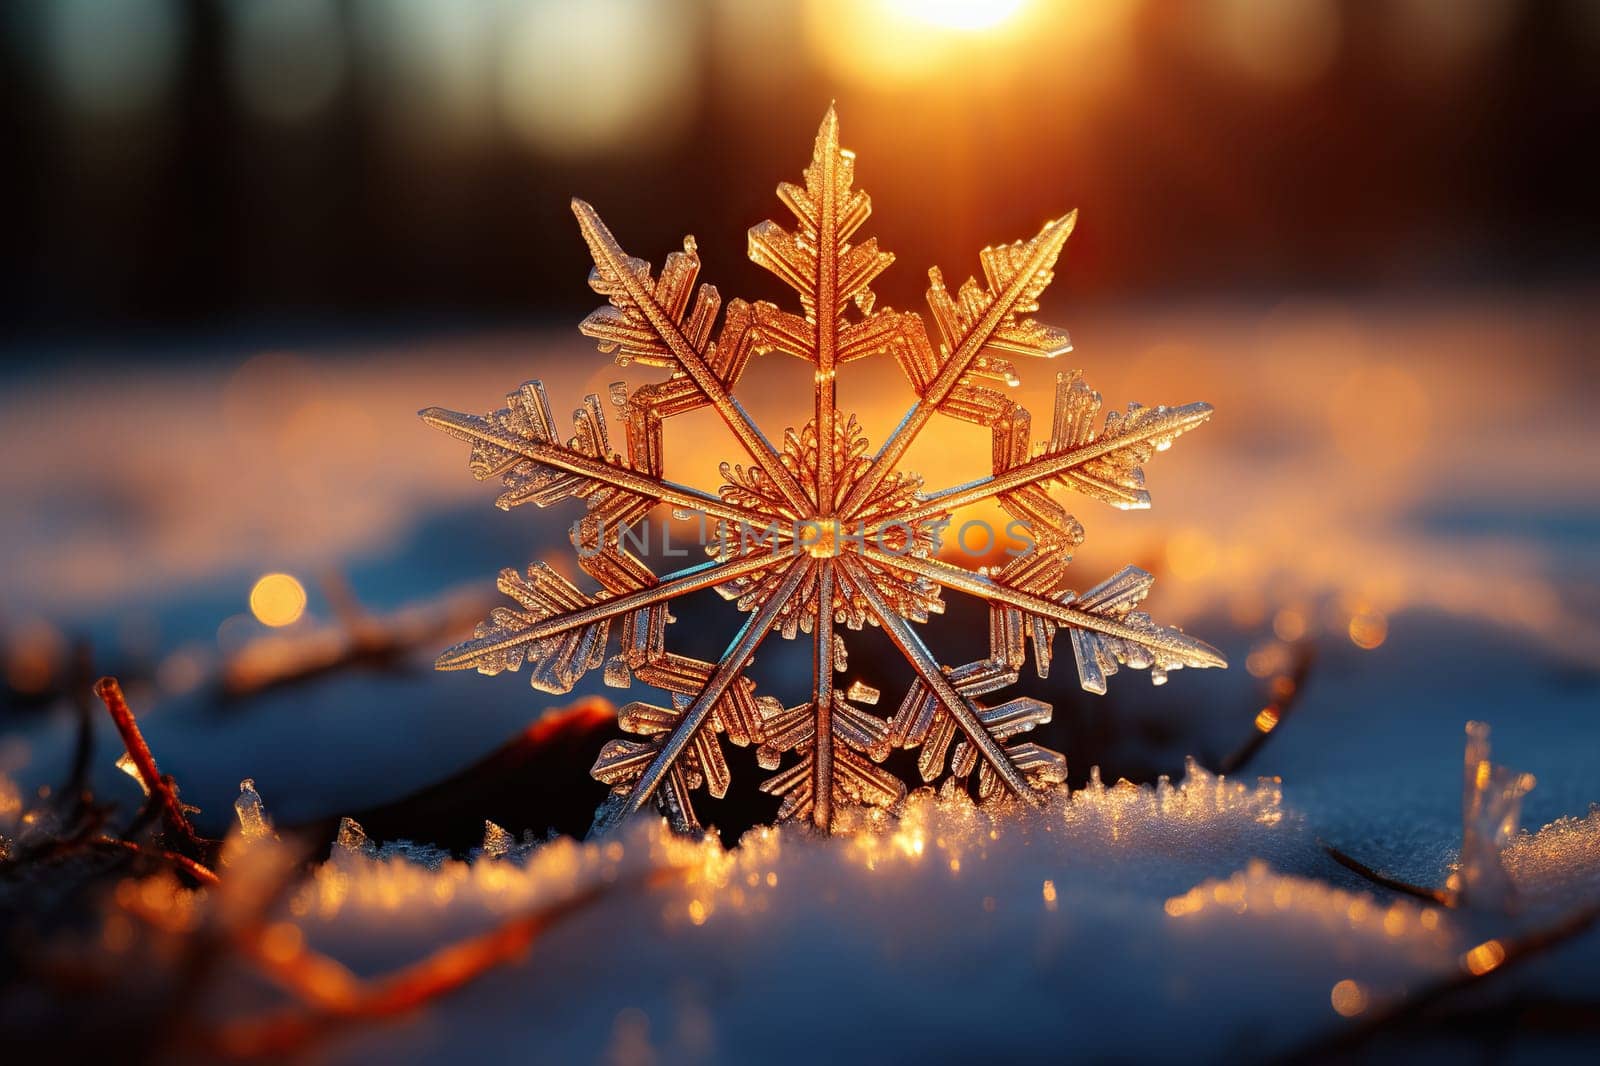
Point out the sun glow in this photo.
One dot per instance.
(957, 14)
(898, 42)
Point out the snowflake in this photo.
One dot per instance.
(825, 532)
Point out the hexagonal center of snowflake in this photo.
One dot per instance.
(820, 538)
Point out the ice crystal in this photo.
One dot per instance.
(497, 843)
(352, 838)
(252, 815)
(823, 532)
(1559, 863)
(1491, 807)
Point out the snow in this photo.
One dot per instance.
(1476, 547)
(951, 932)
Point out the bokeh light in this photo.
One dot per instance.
(1368, 630)
(604, 75)
(277, 600)
(1288, 43)
(1483, 958)
(1349, 998)
(33, 656)
(1457, 31)
(287, 56)
(112, 58)
(431, 66)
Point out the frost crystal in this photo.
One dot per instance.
(1491, 807)
(253, 820)
(497, 843)
(824, 532)
(351, 837)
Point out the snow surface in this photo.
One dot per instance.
(1336, 473)
(952, 933)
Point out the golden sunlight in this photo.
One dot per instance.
(957, 14)
(898, 42)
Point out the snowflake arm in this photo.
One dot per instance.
(1103, 613)
(981, 319)
(1107, 466)
(828, 273)
(956, 705)
(823, 665)
(637, 322)
(537, 467)
(733, 662)
(554, 608)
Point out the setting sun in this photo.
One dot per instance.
(958, 14)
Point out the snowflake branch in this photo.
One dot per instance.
(827, 333)
(927, 667)
(733, 662)
(829, 214)
(820, 265)
(1193, 651)
(475, 429)
(1156, 427)
(822, 695)
(1019, 291)
(611, 260)
(471, 654)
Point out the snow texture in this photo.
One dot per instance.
(950, 933)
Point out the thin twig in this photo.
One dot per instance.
(175, 819)
(1349, 862)
(1513, 952)
(1286, 691)
(1539, 1014)
(333, 996)
(208, 949)
(199, 871)
(54, 849)
(359, 639)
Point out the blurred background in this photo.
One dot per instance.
(184, 162)
(247, 239)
